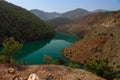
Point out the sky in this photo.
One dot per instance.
(67, 5)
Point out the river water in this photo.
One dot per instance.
(33, 52)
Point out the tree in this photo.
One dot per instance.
(23, 62)
(10, 47)
(73, 65)
(101, 68)
(60, 61)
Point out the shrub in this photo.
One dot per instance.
(101, 68)
(73, 65)
(47, 59)
(23, 62)
(10, 47)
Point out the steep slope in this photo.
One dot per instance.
(45, 15)
(21, 24)
(80, 26)
(101, 41)
(49, 72)
(58, 22)
(75, 14)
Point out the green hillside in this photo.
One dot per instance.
(58, 22)
(21, 24)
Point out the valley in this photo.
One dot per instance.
(76, 44)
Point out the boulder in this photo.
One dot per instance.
(17, 77)
(33, 76)
(11, 70)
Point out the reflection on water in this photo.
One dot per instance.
(34, 51)
(30, 47)
(52, 49)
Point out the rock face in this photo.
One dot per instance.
(49, 72)
(11, 70)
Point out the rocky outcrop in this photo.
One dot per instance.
(17, 77)
(48, 72)
(33, 76)
(11, 70)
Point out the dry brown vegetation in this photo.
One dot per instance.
(100, 41)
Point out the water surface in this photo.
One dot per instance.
(34, 51)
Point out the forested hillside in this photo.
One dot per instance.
(21, 24)
(58, 22)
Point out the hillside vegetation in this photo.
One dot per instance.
(58, 22)
(45, 15)
(80, 26)
(55, 19)
(21, 24)
(100, 41)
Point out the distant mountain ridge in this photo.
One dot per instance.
(55, 19)
(100, 10)
(72, 15)
(45, 15)
(75, 14)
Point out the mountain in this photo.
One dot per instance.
(75, 14)
(58, 21)
(99, 10)
(67, 17)
(45, 15)
(101, 40)
(79, 26)
(21, 24)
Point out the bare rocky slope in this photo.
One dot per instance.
(49, 72)
(100, 41)
(80, 26)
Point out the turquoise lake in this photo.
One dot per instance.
(34, 51)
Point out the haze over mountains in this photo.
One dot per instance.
(72, 15)
(55, 19)
(45, 15)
